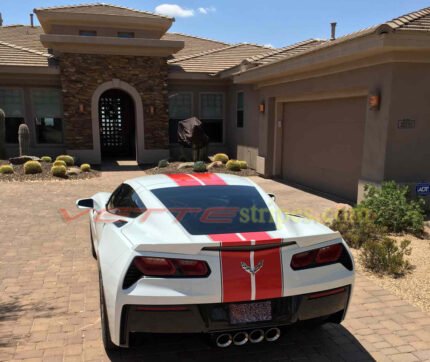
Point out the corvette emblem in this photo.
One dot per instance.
(250, 270)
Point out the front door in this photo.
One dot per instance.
(117, 124)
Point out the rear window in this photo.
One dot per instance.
(217, 209)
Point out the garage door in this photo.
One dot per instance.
(322, 144)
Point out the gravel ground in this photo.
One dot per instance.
(415, 285)
(46, 175)
(173, 168)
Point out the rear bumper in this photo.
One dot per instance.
(214, 318)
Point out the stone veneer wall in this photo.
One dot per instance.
(81, 74)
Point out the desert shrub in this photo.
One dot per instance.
(243, 164)
(221, 157)
(163, 163)
(59, 163)
(393, 209)
(233, 165)
(69, 160)
(32, 167)
(357, 226)
(85, 167)
(199, 166)
(46, 159)
(59, 171)
(385, 256)
(6, 169)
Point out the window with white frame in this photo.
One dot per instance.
(239, 110)
(212, 115)
(12, 103)
(47, 105)
(180, 108)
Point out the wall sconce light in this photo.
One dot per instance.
(374, 101)
(151, 110)
(81, 108)
(262, 107)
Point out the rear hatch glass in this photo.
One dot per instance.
(203, 210)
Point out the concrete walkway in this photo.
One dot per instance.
(49, 307)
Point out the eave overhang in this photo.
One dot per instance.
(354, 50)
(48, 19)
(110, 45)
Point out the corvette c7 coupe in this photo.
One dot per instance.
(211, 253)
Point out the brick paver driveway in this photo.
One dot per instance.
(49, 306)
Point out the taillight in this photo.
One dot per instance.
(155, 266)
(165, 267)
(318, 257)
(329, 254)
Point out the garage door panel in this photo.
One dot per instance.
(322, 144)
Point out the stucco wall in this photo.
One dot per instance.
(408, 150)
(243, 142)
(82, 74)
(358, 81)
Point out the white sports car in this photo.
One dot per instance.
(211, 253)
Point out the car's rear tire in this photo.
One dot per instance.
(93, 249)
(107, 341)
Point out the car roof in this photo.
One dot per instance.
(151, 182)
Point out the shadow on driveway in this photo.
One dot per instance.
(328, 343)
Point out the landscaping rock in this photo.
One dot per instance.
(20, 160)
(185, 165)
(73, 171)
(215, 164)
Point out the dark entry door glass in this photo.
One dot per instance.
(117, 124)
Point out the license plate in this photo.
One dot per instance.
(250, 312)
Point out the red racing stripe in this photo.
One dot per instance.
(182, 179)
(268, 280)
(210, 179)
(236, 282)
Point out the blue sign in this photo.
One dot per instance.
(422, 189)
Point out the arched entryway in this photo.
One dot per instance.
(117, 124)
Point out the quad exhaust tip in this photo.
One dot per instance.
(272, 334)
(224, 340)
(241, 338)
(256, 336)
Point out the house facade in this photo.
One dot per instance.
(99, 81)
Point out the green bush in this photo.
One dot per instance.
(385, 256)
(46, 159)
(6, 169)
(392, 208)
(163, 163)
(357, 226)
(199, 166)
(32, 167)
(69, 160)
(221, 157)
(59, 163)
(85, 167)
(233, 165)
(59, 171)
(243, 165)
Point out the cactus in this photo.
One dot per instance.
(199, 166)
(69, 160)
(221, 157)
(2, 135)
(163, 163)
(85, 167)
(24, 140)
(59, 171)
(233, 165)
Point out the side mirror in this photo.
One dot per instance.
(272, 196)
(85, 204)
